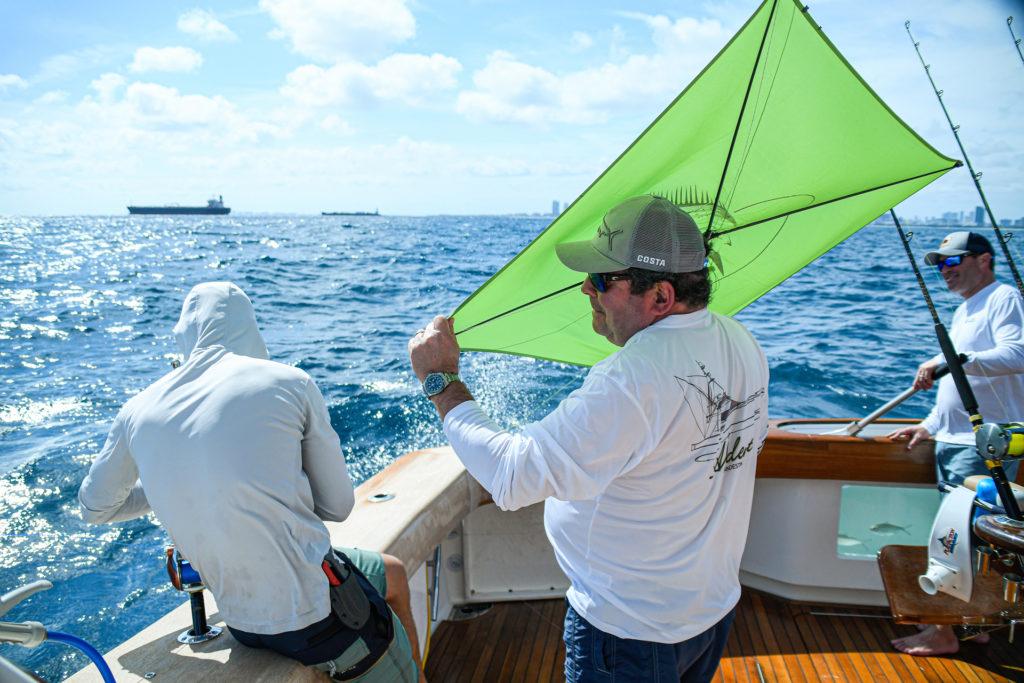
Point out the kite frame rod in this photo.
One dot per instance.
(739, 119)
(1016, 40)
(963, 387)
(976, 177)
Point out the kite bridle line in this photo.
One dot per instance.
(963, 387)
(975, 176)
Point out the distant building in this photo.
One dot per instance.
(979, 215)
(554, 208)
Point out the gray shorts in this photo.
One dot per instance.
(396, 665)
(955, 462)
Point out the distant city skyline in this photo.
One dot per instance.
(976, 217)
(434, 106)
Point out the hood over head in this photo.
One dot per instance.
(219, 314)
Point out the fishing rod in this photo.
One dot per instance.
(993, 459)
(1016, 40)
(975, 176)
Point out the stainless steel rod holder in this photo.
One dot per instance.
(983, 556)
(1011, 588)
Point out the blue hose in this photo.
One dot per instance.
(91, 652)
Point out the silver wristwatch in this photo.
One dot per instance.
(435, 382)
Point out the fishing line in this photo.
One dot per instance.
(963, 387)
(975, 176)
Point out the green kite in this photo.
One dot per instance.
(778, 148)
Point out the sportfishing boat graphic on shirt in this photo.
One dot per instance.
(711, 407)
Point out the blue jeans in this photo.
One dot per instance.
(954, 463)
(593, 656)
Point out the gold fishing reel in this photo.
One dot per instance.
(1003, 441)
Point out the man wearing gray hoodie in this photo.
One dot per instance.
(236, 456)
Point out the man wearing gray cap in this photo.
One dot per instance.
(989, 327)
(647, 470)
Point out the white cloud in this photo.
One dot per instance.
(107, 85)
(12, 81)
(580, 41)
(408, 78)
(334, 30)
(333, 123)
(52, 97)
(510, 90)
(165, 115)
(165, 59)
(205, 26)
(71, 63)
(159, 105)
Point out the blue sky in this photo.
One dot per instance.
(432, 106)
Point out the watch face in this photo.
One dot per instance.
(434, 383)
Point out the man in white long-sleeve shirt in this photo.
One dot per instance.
(989, 327)
(236, 456)
(647, 470)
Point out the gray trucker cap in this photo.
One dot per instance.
(958, 244)
(642, 232)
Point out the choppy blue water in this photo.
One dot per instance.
(87, 304)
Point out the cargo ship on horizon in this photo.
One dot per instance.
(214, 207)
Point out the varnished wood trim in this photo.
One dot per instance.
(790, 455)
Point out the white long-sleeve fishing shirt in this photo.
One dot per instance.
(989, 328)
(236, 456)
(647, 471)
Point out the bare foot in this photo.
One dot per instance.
(980, 639)
(933, 640)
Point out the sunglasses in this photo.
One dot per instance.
(601, 280)
(950, 261)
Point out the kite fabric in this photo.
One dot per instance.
(778, 137)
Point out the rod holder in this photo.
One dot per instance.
(983, 557)
(185, 578)
(1011, 588)
(1013, 628)
(201, 631)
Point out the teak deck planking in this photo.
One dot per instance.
(773, 640)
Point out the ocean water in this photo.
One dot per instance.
(87, 304)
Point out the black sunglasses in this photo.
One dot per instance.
(601, 280)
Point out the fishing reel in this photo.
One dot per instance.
(1003, 441)
(1005, 537)
(185, 578)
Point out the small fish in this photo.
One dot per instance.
(844, 541)
(886, 529)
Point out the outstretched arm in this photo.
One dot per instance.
(112, 491)
(571, 454)
(323, 461)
